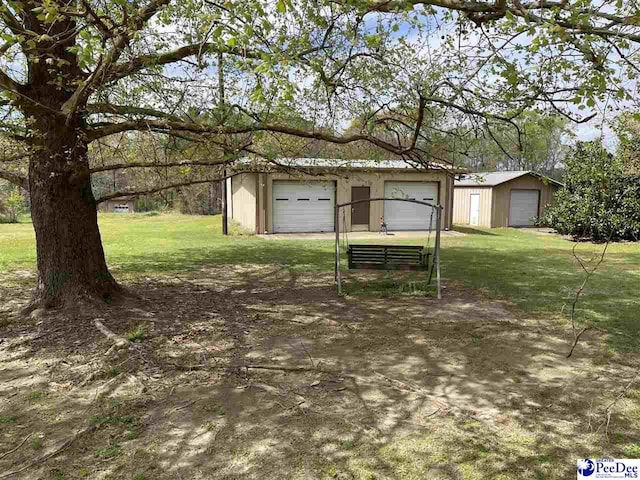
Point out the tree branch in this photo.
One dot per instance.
(416, 132)
(14, 158)
(138, 63)
(588, 273)
(8, 83)
(185, 163)
(129, 110)
(121, 194)
(10, 19)
(120, 41)
(166, 126)
(269, 167)
(15, 178)
(480, 12)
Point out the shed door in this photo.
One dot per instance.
(523, 207)
(474, 209)
(360, 211)
(410, 216)
(303, 207)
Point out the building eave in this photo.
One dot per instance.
(491, 184)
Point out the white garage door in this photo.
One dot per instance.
(406, 215)
(523, 207)
(303, 207)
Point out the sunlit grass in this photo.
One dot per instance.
(536, 272)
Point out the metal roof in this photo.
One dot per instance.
(491, 179)
(363, 164)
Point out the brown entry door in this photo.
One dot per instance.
(360, 211)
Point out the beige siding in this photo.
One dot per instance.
(462, 205)
(448, 204)
(374, 180)
(229, 198)
(244, 199)
(502, 197)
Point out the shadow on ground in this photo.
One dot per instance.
(472, 231)
(263, 372)
(538, 279)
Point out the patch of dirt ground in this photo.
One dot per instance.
(264, 373)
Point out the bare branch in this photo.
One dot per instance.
(138, 63)
(269, 166)
(185, 163)
(416, 132)
(129, 110)
(580, 290)
(171, 126)
(15, 178)
(134, 193)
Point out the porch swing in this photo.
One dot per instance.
(387, 256)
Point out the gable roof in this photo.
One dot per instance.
(491, 179)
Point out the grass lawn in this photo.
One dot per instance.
(240, 361)
(535, 272)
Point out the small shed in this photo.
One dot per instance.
(502, 199)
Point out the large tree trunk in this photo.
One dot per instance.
(70, 257)
(71, 261)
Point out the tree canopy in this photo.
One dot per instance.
(258, 77)
(149, 66)
(600, 201)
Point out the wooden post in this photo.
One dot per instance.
(438, 220)
(225, 214)
(221, 106)
(337, 229)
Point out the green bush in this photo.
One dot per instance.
(150, 204)
(12, 207)
(600, 201)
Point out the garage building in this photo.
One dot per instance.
(122, 205)
(502, 199)
(278, 202)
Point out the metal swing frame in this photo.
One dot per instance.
(436, 256)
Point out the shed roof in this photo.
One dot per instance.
(365, 164)
(491, 179)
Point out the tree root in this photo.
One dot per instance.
(402, 385)
(78, 300)
(56, 451)
(16, 448)
(118, 341)
(295, 369)
(63, 445)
